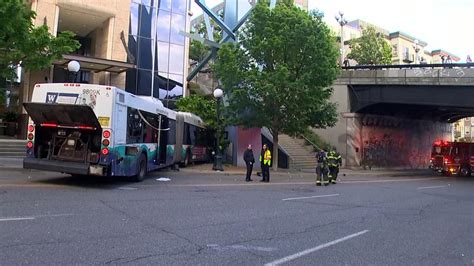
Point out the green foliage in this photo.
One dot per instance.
(11, 116)
(197, 50)
(371, 48)
(205, 107)
(201, 106)
(3, 96)
(279, 75)
(316, 140)
(21, 43)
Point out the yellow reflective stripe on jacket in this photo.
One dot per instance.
(267, 157)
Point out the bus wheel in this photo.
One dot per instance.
(141, 169)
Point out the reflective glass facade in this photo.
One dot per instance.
(157, 48)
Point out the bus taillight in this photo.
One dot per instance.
(31, 128)
(29, 144)
(105, 142)
(105, 151)
(106, 134)
(30, 136)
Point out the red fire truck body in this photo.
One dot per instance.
(452, 158)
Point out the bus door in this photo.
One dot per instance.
(163, 139)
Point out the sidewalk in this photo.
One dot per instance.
(11, 163)
(232, 172)
(344, 172)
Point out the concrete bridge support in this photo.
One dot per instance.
(381, 141)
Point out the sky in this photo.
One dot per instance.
(443, 24)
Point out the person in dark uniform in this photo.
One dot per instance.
(321, 168)
(249, 161)
(334, 162)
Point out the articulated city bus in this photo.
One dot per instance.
(84, 129)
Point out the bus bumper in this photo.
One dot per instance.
(60, 166)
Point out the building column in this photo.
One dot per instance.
(354, 145)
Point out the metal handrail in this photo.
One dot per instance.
(409, 66)
(310, 142)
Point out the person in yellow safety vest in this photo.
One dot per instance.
(265, 162)
(334, 161)
(321, 168)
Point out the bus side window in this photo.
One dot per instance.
(135, 127)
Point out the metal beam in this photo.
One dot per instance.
(213, 53)
(215, 17)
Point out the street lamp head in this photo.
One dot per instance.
(341, 13)
(73, 66)
(218, 93)
(416, 42)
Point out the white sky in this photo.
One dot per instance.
(443, 24)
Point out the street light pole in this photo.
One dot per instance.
(218, 93)
(73, 67)
(417, 49)
(342, 22)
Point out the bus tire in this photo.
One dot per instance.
(141, 169)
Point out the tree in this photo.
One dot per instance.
(23, 44)
(204, 107)
(279, 75)
(371, 48)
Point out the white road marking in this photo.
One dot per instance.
(391, 180)
(240, 247)
(250, 184)
(312, 197)
(7, 219)
(311, 250)
(127, 188)
(430, 187)
(16, 219)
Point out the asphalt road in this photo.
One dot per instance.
(208, 219)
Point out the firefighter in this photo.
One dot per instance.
(321, 168)
(334, 162)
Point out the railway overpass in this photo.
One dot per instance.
(390, 115)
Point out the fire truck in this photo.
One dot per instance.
(452, 158)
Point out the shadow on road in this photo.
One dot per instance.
(98, 182)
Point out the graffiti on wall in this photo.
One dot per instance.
(393, 142)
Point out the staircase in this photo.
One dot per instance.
(301, 154)
(12, 148)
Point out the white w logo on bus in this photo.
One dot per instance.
(51, 97)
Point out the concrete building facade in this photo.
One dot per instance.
(135, 45)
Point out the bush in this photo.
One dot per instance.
(11, 116)
(316, 140)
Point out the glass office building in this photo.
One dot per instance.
(157, 47)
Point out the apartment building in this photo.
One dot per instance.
(406, 49)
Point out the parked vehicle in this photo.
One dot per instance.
(452, 158)
(84, 129)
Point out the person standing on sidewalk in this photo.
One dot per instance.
(249, 161)
(265, 162)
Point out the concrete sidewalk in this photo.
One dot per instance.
(236, 172)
